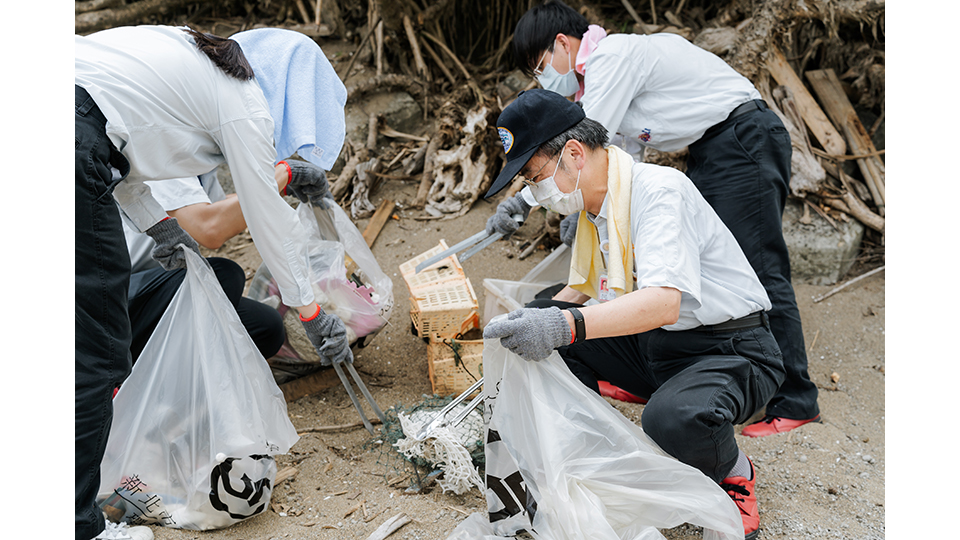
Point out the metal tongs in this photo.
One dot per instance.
(475, 243)
(441, 420)
(328, 231)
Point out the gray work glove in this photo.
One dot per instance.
(502, 221)
(309, 183)
(530, 332)
(329, 336)
(168, 235)
(568, 229)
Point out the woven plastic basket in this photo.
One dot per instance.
(454, 365)
(448, 269)
(445, 310)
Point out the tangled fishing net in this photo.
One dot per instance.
(454, 451)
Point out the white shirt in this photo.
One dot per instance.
(172, 195)
(680, 242)
(174, 114)
(660, 90)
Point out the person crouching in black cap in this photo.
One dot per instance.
(674, 290)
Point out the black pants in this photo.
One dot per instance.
(742, 168)
(102, 328)
(152, 290)
(699, 384)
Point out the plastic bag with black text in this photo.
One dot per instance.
(563, 464)
(197, 423)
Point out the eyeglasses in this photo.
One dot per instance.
(537, 71)
(530, 182)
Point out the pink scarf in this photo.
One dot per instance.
(588, 43)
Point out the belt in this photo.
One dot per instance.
(750, 106)
(758, 318)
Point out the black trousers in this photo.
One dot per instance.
(699, 384)
(102, 328)
(742, 168)
(152, 290)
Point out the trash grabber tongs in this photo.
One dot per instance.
(475, 243)
(353, 395)
(328, 231)
(441, 420)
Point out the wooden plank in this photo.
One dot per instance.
(309, 384)
(379, 219)
(838, 107)
(825, 132)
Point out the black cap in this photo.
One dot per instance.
(535, 117)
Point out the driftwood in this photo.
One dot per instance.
(853, 205)
(814, 117)
(835, 290)
(383, 82)
(92, 21)
(839, 108)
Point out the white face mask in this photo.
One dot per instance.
(550, 197)
(566, 85)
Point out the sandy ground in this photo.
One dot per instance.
(820, 481)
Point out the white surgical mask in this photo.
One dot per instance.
(566, 84)
(549, 196)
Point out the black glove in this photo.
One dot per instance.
(502, 221)
(329, 336)
(168, 235)
(309, 183)
(568, 229)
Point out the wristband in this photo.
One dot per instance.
(312, 317)
(579, 327)
(289, 176)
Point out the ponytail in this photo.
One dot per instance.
(225, 53)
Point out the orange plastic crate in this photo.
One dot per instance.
(454, 365)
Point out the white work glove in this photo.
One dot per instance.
(168, 235)
(502, 221)
(328, 335)
(530, 332)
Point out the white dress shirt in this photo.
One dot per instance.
(174, 114)
(660, 90)
(680, 242)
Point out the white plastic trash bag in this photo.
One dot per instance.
(197, 423)
(346, 281)
(563, 464)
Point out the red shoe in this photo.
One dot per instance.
(609, 390)
(744, 494)
(771, 425)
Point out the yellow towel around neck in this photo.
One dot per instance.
(586, 266)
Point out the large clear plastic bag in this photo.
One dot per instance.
(563, 464)
(197, 423)
(346, 281)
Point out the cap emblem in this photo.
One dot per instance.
(506, 138)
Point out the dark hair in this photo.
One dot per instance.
(588, 132)
(536, 30)
(225, 53)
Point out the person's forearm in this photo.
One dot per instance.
(212, 224)
(573, 296)
(633, 313)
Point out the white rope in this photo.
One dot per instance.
(445, 448)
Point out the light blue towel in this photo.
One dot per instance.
(304, 93)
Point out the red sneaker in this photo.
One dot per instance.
(771, 425)
(609, 390)
(742, 491)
